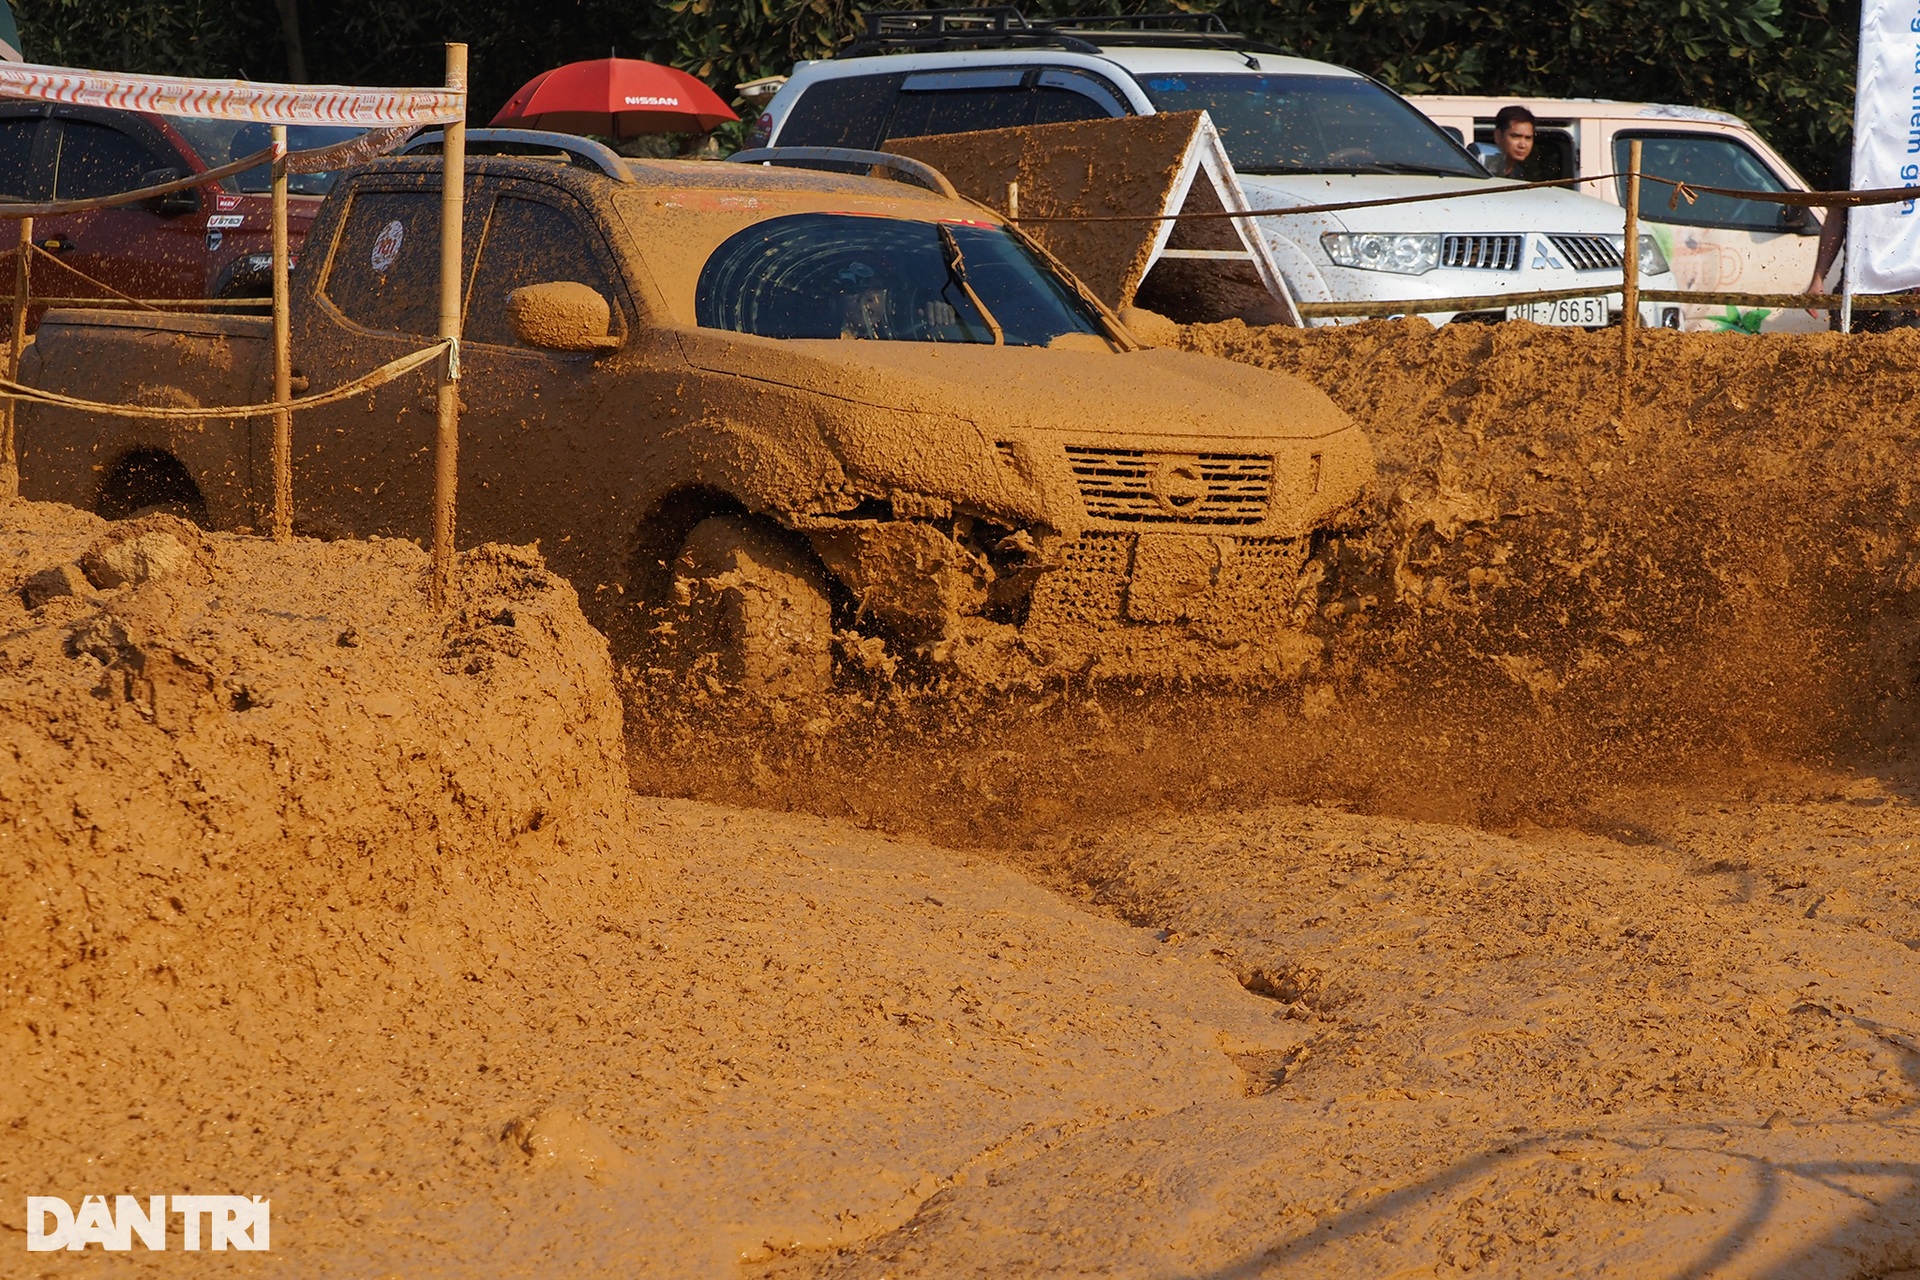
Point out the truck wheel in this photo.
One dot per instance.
(747, 597)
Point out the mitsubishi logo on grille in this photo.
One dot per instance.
(1177, 484)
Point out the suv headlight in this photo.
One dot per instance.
(1652, 261)
(1377, 251)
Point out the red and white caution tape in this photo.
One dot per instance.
(233, 99)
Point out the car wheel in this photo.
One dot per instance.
(755, 603)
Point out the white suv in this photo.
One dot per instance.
(1298, 132)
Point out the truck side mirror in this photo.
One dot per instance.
(1799, 220)
(174, 203)
(562, 315)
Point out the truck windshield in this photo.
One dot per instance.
(1313, 124)
(221, 142)
(843, 275)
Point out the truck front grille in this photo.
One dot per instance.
(1482, 252)
(1138, 487)
(1588, 253)
(1257, 578)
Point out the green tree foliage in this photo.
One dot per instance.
(1785, 65)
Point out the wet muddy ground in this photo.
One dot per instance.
(1562, 922)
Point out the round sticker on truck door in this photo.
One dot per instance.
(386, 246)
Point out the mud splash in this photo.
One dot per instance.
(1541, 605)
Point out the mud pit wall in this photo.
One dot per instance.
(258, 809)
(1734, 561)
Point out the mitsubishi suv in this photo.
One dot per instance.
(1299, 133)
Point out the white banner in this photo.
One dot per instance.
(1883, 241)
(233, 99)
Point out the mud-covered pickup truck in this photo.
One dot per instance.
(745, 406)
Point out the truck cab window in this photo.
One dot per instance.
(98, 160)
(529, 242)
(385, 271)
(1710, 160)
(18, 178)
(833, 275)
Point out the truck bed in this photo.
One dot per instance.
(160, 358)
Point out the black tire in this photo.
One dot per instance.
(747, 596)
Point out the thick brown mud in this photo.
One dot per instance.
(1544, 602)
(1559, 921)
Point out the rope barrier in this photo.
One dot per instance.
(1471, 302)
(143, 304)
(52, 208)
(1337, 207)
(346, 391)
(1690, 191)
(318, 160)
(1488, 301)
(55, 259)
(374, 142)
(1804, 199)
(1787, 301)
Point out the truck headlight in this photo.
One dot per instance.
(1377, 251)
(1652, 261)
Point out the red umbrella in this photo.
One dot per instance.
(615, 98)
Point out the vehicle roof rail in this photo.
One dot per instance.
(1158, 30)
(531, 144)
(931, 30)
(800, 157)
(1209, 23)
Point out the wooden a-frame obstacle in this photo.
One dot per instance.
(1130, 173)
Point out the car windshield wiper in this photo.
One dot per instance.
(957, 272)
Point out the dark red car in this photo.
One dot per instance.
(211, 241)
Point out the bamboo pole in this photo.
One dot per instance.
(22, 272)
(282, 353)
(446, 453)
(1630, 279)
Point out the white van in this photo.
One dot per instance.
(1716, 243)
(1298, 132)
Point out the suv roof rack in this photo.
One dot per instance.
(530, 144)
(1005, 26)
(997, 26)
(837, 159)
(1209, 23)
(1160, 31)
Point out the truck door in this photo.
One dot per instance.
(1720, 242)
(365, 466)
(146, 251)
(539, 439)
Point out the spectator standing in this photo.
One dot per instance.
(1833, 248)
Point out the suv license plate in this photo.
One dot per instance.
(1575, 313)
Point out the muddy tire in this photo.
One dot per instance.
(755, 606)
